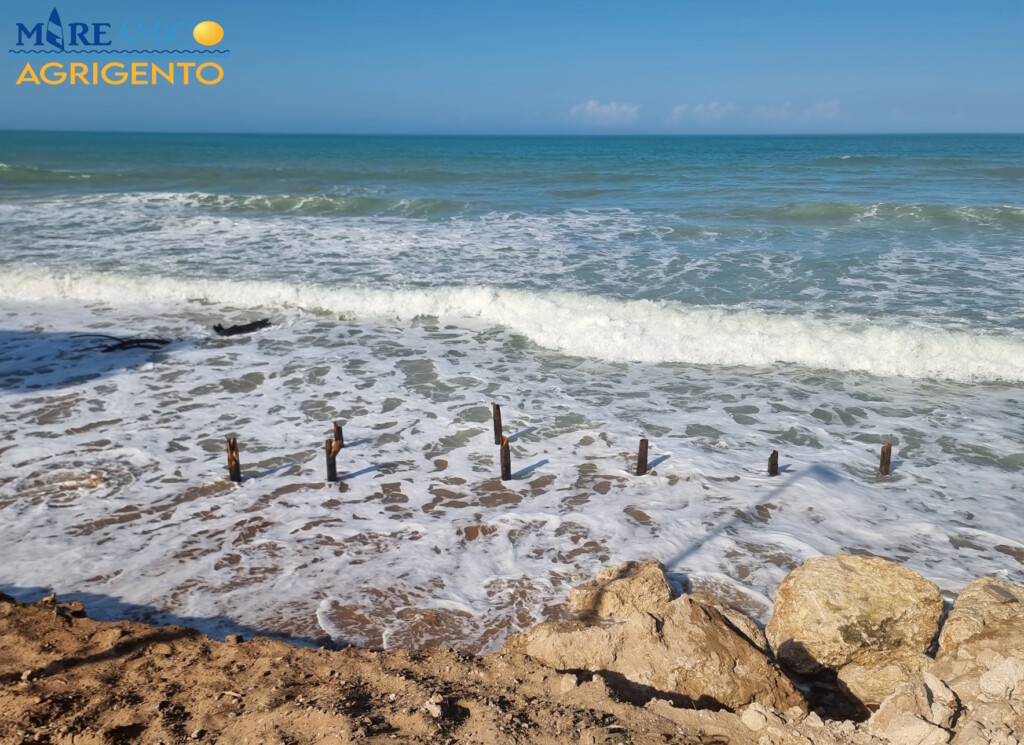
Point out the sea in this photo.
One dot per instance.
(721, 297)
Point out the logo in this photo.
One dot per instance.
(55, 31)
(162, 53)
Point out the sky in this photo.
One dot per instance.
(594, 67)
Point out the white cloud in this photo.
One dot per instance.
(607, 114)
(702, 112)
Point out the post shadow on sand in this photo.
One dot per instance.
(521, 434)
(657, 462)
(51, 360)
(107, 608)
(529, 469)
(361, 472)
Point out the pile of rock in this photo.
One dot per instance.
(850, 631)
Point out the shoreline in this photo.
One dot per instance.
(68, 679)
(421, 523)
(65, 678)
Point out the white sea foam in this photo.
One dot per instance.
(588, 326)
(115, 484)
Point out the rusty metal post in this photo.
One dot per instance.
(506, 460)
(641, 458)
(331, 447)
(883, 463)
(496, 415)
(234, 464)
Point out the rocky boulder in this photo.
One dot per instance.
(631, 587)
(641, 587)
(860, 611)
(872, 682)
(921, 712)
(740, 622)
(689, 652)
(981, 658)
(984, 601)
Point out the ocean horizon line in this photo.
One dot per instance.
(526, 135)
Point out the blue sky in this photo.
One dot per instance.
(392, 66)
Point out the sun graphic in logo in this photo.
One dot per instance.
(208, 33)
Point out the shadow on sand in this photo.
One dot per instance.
(51, 360)
(106, 608)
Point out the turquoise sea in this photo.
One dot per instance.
(722, 296)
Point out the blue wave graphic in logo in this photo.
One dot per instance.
(55, 30)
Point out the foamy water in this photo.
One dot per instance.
(718, 331)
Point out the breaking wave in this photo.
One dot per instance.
(587, 325)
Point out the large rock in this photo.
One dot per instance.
(641, 587)
(921, 712)
(628, 588)
(909, 729)
(987, 666)
(837, 610)
(984, 601)
(689, 651)
(873, 683)
(991, 724)
(981, 658)
(740, 622)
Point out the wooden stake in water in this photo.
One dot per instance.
(234, 464)
(496, 415)
(641, 458)
(883, 464)
(339, 438)
(506, 460)
(331, 448)
(773, 463)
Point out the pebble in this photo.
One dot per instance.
(433, 706)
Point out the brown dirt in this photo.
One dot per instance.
(65, 678)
